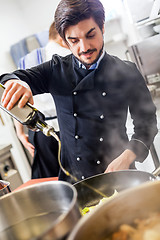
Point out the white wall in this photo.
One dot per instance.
(19, 19)
(119, 30)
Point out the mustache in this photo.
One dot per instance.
(88, 51)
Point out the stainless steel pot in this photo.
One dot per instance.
(47, 210)
(92, 189)
(128, 205)
(4, 187)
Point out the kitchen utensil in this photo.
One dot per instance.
(125, 207)
(92, 189)
(46, 210)
(4, 187)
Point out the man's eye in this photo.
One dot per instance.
(74, 41)
(91, 36)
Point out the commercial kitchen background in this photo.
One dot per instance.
(131, 32)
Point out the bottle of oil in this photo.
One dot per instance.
(29, 116)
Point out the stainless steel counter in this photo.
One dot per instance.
(8, 170)
(4, 149)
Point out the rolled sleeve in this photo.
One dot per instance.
(5, 77)
(139, 148)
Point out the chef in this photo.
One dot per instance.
(93, 92)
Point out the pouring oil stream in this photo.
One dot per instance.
(52, 133)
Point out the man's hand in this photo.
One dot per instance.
(15, 90)
(122, 162)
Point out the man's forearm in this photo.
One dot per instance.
(19, 128)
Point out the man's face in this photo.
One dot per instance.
(85, 40)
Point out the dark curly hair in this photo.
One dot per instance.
(71, 12)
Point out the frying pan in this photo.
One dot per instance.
(92, 189)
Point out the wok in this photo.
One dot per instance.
(92, 189)
(124, 208)
(47, 210)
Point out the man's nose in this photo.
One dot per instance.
(84, 46)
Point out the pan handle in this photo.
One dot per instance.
(156, 172)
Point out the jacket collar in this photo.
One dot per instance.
(87, 82)
(93, 66)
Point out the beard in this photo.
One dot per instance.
(87, 65)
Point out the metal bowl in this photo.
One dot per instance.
(47, 210)
(138, 202)
(4, 187)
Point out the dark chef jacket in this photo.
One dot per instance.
(92, 107)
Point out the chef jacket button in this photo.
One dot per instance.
(98, 162)
(101, 139)
(104, 94)
(75, 114)
(102, 116)
(76, 136)
(78, 158)
(74, 93)
(82, 177)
